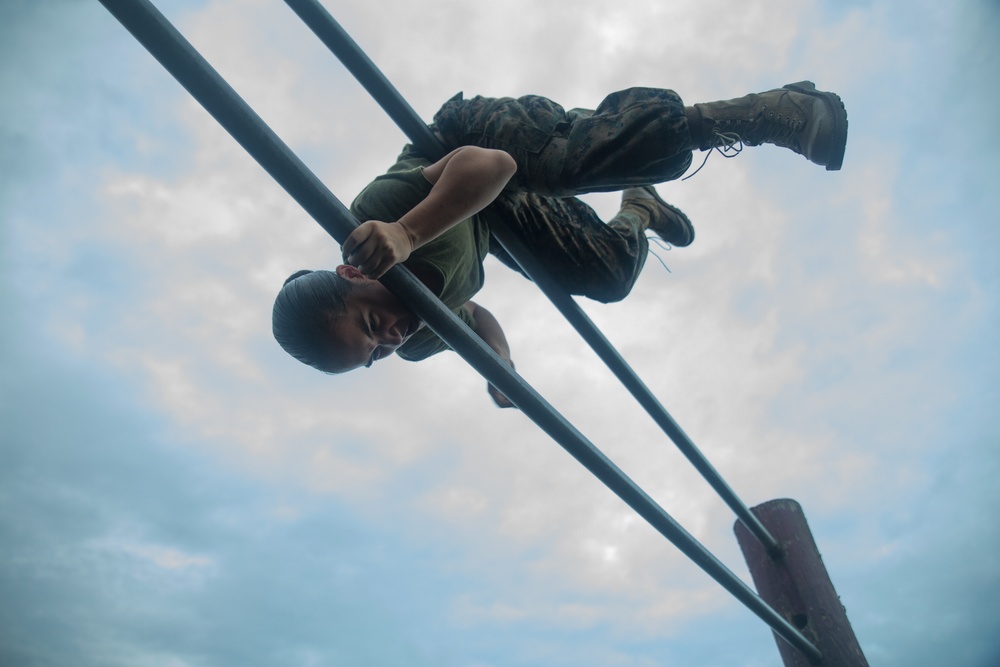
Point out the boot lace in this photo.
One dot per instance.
(663, 245)
(768, 126)
(727, 144)
(780, 130)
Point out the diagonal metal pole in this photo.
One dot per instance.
(180, 59)
(364, 70)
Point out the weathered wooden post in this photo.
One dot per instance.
(797, 586)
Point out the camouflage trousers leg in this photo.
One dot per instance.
(635, 137)
(583, 254)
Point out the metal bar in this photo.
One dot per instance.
(627, 376)
(357, 62)
(181, 60)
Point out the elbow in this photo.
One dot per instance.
(506, 164)
(496, 165)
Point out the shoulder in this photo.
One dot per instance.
(394, 193)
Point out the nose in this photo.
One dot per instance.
(388, 342)
(392, 336)
(389, 338)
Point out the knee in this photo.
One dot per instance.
(608, 286)
(612, 292)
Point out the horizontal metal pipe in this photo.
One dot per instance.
(185, 64)
(357, 62)
(571, 310)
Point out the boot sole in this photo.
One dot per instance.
(839, 113)
(685, 221)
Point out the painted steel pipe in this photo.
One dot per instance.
(368, 75)
(184, 63)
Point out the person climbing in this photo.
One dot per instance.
(522, 162)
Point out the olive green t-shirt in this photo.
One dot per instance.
(456, 256)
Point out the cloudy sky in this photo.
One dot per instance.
(174, 491)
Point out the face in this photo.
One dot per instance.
(376, 323)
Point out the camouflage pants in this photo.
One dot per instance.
(635, 137)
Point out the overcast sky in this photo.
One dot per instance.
(175, 491)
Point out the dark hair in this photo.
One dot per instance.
(304, 311)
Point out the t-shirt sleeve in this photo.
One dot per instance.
(390, 196)
(425, 343)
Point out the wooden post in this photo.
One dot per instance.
(798, 587)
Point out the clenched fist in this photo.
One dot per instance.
(374, 247)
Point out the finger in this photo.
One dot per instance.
(358, 254)
(363, 255)
(383, 268)
(378, 261)
(499, 399)
(356, 239)
(349, 243)
(376, 271)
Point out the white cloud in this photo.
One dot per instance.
(207, 232)
(151, 559)
(798, 341)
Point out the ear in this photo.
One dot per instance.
(352, 273)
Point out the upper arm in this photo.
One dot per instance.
(475, 158)
(475, 312)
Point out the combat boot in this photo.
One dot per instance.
(797, 116)
(666, 220)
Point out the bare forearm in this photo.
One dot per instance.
(488, 328)
(465, 182)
